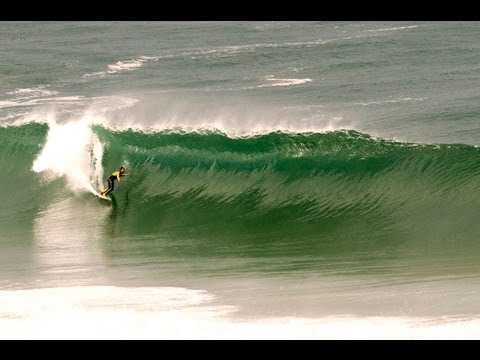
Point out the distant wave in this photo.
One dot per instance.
(230, 50)
(28, 93)
(284, 82)
(121, 66)
(391, 101)
(234, 49)
(31, 96)
(26, 101)
(393, 28)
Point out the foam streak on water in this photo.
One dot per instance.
(103, 312)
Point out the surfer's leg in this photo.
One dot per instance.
(104, 191)
(110, 187)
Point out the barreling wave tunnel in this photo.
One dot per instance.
(303, 194)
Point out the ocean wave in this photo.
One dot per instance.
(404, 99)
(333, 186)
(28, 93)
(122, 66)
(58, 100)
(396, 28)
(284, 82)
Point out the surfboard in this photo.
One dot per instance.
(97, 192)
(104, 197)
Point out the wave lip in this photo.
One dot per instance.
(74, 151)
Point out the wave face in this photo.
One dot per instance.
(277, 194)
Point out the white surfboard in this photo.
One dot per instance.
(97, 192)
(104, 197)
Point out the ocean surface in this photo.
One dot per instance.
(287, 180)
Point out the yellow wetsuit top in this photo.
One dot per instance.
(115, 175)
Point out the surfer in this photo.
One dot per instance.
(111, 180)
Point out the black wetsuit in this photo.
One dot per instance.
(111, 182)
